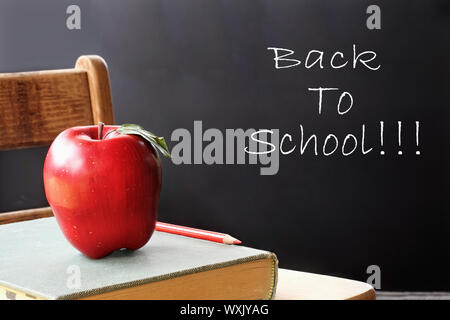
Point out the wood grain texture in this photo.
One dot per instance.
(296, 285)
(23, 215)
(36, 106)
(100, 90)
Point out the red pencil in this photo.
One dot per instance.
(196, 233)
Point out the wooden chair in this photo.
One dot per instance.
(36, 106)
(297, 285)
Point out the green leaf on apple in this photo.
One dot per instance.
(157, 142)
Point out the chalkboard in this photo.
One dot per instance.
(197, 71)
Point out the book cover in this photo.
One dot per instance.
(38, 263)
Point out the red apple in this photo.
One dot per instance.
(103, 187)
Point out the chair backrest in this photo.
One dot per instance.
(36, 106)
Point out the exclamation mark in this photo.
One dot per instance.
(382, 137)
(400, 137)
(417, 137)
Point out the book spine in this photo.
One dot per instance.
(274, 278)
(270, 294)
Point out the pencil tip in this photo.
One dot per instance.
(230, 240)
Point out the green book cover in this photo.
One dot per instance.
(37, 260)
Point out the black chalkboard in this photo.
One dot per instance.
(173, 63)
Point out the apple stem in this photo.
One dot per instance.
(100, 130)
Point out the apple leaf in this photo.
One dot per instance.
(158, 142)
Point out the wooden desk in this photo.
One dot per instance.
(292, 285)
(297, 285)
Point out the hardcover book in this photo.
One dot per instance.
(36, 262)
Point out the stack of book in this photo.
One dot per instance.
(38, 263)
